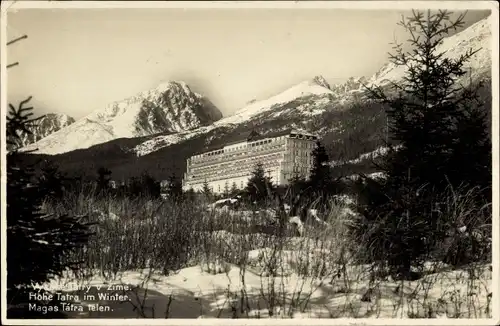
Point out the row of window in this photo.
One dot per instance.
(250, 153)
(228, 184)
(236, 162)
(236, 148)
(231, 173)
(242, 164)
(302, 144)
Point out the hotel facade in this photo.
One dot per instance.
(282, 156)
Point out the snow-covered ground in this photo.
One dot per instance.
(228, 291)
(235, 271)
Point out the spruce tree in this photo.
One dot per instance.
(150, 187)
(39, 245)
(234, 189)
(103, 180)
(207, 191)
(174, 187)
(321, 181)
(227, 191)
(51, 181)
(471, 151)
(259, 187)
(429, 114)
(320, 178)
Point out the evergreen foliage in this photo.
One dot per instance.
(207, 191)
(150, 186)
(103, 180)
(227, 190)
(174, 188)
(234, 190)
(321, 182)
(259, 187)
(38, 245)
(51, 182)
(320, 172)
(442, 144)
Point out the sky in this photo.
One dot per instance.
(76, 61)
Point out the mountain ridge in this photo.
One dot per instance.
(44, 126)
(347, 122)
(170, 107)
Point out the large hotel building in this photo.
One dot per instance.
(283, 156)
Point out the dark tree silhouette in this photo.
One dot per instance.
(207, 191)
(174, 188)
(103, 179)
(38, 244)
(51, 182)
(227, 190)
(430, 116)
(150, 186)
(321, 182)
(320, 171)
(234, 189)
(259, 188)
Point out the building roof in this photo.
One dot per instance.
(253, 136)
(241, 137)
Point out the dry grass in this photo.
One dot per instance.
(164, 237)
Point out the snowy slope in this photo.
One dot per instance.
(213, 290)
(170, 107)
(305, 99)
(314, 97)
(315, 86)
(476, 36)
(46, 125)
(173, 107)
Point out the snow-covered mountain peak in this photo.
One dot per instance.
(44, 126)
(350, 85)
(61, 118)
(315, 86)
(321, 81)
(117, 108)
(475, 37)
(173, 108)
(169, 107)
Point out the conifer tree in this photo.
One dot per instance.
(227, 191)
(190, 195)
(320, 178)
(259, 187)
(51, 181)
(174, 187)
(38, 245)
(472, 144)
(321, 181)
(103, 179)
(150, 186)
(234, 189)
(432, 113)
(429, 115)
(207, 191)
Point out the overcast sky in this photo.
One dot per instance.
(76, 61)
